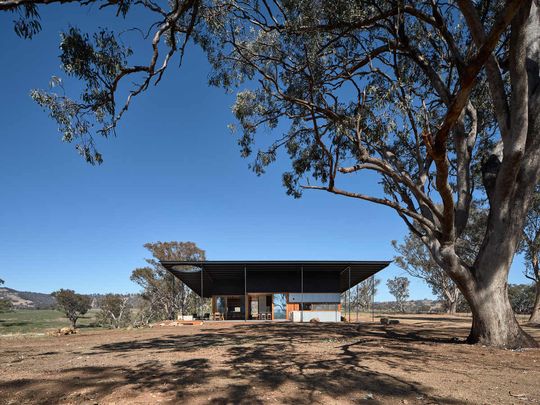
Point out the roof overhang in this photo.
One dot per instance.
(233, 277)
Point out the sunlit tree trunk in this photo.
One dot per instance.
(535, 314)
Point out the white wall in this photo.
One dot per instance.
(323, 316)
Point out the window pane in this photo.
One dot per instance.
(280, 304)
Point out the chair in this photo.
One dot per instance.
(218, 316)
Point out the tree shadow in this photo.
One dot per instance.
(303, 363)
(432, 319)
(9, 324)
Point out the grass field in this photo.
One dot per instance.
(39, 321)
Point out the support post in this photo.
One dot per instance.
(356, 303)
(349, 317)
(174, 313)
(202, 293)
(246, 309)
(302, 294)
(372, 298)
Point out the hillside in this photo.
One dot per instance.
(34, 300)
(27, 299)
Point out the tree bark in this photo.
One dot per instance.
(535, 315)
(494, 322)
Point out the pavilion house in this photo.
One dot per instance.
(273, 290)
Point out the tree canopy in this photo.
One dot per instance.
(439, 98)
(72, 304)
(399, 288)
(165, 295)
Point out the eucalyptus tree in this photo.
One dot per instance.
(166, 296)
(439, 98)
(101, 61)
(73, 305)
(365, 293)
(415, 259)
(399, 288)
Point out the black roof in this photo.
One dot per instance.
(226, 277)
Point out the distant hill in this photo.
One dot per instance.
(34, 300)
(27, 299)
(414, 306)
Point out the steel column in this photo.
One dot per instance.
(202, 293)
(356, 303)
(302, 294)
(245, 295)
(349, 317)
(372, 298)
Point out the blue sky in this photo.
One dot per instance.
(174, 172)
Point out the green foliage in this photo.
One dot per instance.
(73, 305)
(28, 22)
(165, 296)
(100, 62)
(521, 298)
(530, 243)
(325, 75)
(97, 62)
(5, 305)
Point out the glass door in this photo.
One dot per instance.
(280, 306)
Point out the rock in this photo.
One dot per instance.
(63, 331)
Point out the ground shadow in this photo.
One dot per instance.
(303, 363)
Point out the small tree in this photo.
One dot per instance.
(416, 260)
(521, 297)
(115, 311)
(530, 247)
(72, 304)
(5, 304)
(399, 288)
(365, 291)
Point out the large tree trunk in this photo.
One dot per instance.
(535, 315)
(494, 322)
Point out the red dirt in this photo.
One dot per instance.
(415, 362)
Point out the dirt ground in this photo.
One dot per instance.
(415, 362)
